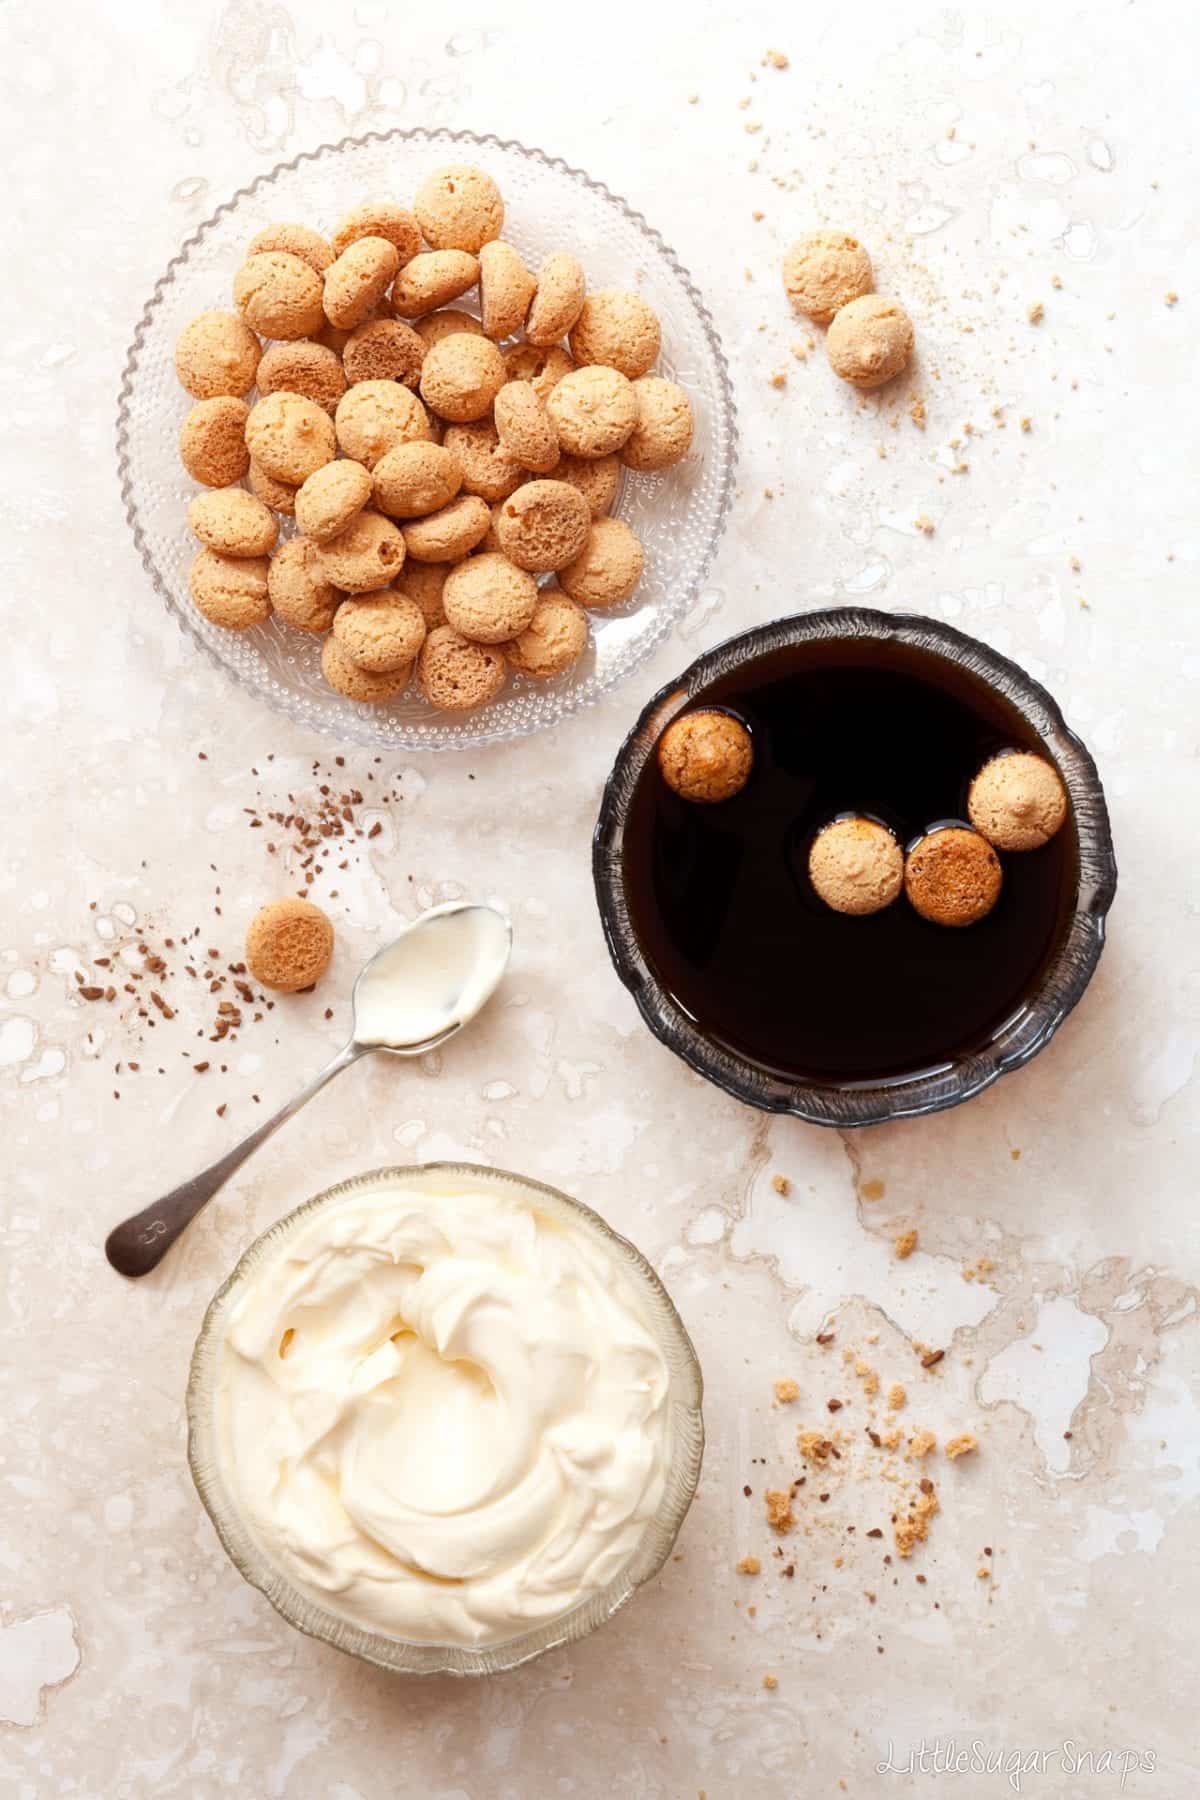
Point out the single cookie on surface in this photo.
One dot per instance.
(952, 876)
(524, 428)
(457, 675)
(554, 639)
(280, 496)
(596, 477)
(706, 756)
(296, 240)
(380, 219)
(415, 479)
(618, 329)
(358, 280)
(330, 499)
(278, 295)
(505, 289)
(459, 208)
(306, 368)
(558, 301)
(1017, 801)
(607, 569)
(488, 599)
(449, 534)
(290, 437)
(367, 555)
(856, 866)
(374, 416)
(217, 354)
(663, 433)
(381, 633)
(542, 368)
(593, 410)
(487, 470)
(234, 522)
(384, 350)
(869, 341)
(461, 376)
(289, 945)
(431, 279)
(437, 325)
(352, 683)
(422, 583)
(301, 593)
(212, 441)
(230, 591)
(824, 271)
(543, 525)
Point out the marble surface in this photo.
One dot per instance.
(990, 161)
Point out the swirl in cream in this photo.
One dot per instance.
(443, 1412)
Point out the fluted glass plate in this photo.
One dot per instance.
(678, 514)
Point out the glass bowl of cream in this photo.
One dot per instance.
(445, 1418)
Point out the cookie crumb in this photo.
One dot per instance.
(905, 1244)
(981, 1574)
(1056, 281)
(1026, 424)
(749, 1565)
(1075, 563)
(779, 378)
(872, 1190)
(1170, 298)
(787, 1390)
(780, 1516)
(923, 1442)
(771, 1682)
(924, 523)
(961, 1445)
(897, 1395)
(781, 1184)
(913, 1528)
(1035, 312)
(916, 412)
(775, 59)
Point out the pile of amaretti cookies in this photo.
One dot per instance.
(433, 476)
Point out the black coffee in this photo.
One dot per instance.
(727, 917)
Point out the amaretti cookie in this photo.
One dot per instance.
(352, 683)
(607, 569)
(706, 756)
(296, 240)
(415, 479)
(301, 592)
(423, 583)
(431, 279)
(230, 591)
(457, 675)
(384, 350)
(596, 477)
(593, 410)
(869, 341)
(358, 280)
(374, 416)
(367, 555)
(380, 219)
(616, 328)
(289, 945)
(662, 435)
(488, 599)
(524, 427)
(1017, 801)
(558, 301)
(331, 498)
(280, 496)
(856, 866)
(306, 368)
(823, 271)
(381, 633)
(279, 295)
(461, 377)
(233, 522)
(505, 289)
(543, 525)
(487, 469)
(217, 354)
(554, 639)
(953, 876)
(290, 437)
(444, 323)
(459, 208)
(542, 368)
(449, 534)
(212, 441)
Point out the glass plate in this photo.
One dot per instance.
(678, 515)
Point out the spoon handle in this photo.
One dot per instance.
(139, 1244)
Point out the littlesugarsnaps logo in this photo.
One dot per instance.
(1020, 1769)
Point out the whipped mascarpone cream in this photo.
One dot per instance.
(442, 1411)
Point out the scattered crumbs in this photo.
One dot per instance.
(814, 1446)
(923, 1442)
(779, 378)
(924, 523)
(771, 1682)
(1026, 423)
(782, 1185)
(916, 412)
(912, 1528)
(787, 1390)
(752, 126)
(1170, 298)
(961, 1445)
(780, 1516)
(872, 1190)
(1035, 312)
(896, 1396)
(1056, 281)
(775, 59)
(749, 1565)
(905, 1244)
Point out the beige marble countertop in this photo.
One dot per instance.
(989, 162)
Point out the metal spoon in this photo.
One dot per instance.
(412, 995)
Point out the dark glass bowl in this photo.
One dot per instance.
(1067, 972)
